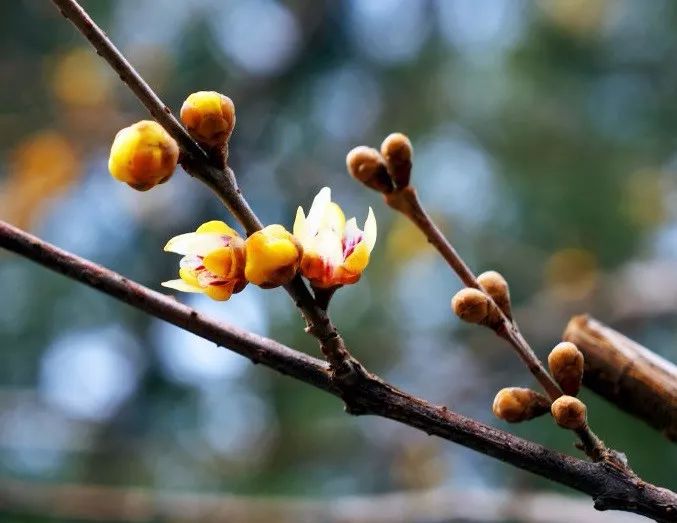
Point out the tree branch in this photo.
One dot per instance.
(627, 374)
(611, 488)
(221, 179)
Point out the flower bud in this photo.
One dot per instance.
(366, 165)
(143, 155)
(397, 152)
(566, 366)
(569, 412)
(515, 404)
(471, 305)
(494, 285)
(273, 257)
(209, 117)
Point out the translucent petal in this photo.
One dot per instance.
(300, 228)
(180, 285)
(316, 212)
(333, 218)
(370, 230)
(200, 244)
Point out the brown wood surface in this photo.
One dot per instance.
(627, 374)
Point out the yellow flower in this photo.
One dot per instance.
(143, 155)
(213, 261)
(335, 251)
(209, 116)
(273, 257)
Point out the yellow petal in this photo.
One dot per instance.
(196, 243)
(219, 261)
(358, 259)
(217, 226)
(189, 277)
(219, 292)
(272, 256)
(181, 285)
(370, 230)
(333, 219)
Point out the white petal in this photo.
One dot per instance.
(180, 285)
(316, 211)
(370, 230)
(198, 243)
(300, 224)
(351, 231)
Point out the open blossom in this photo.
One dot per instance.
(213, 261)
(335, 251)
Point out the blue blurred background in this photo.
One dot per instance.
(544, 136)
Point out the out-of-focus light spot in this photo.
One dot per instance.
(481, 26)
(89, 374)
(389, 31)
(192, 360)
(346, 102)
(36, 438)
(17, 287)
(43, 166)
(81, 79)
(89, 220)
(577, 17)
(405, 242)
(571, 274)
(260, 36)
(459, 181)
(643, 200)
(234, 423)
(159, 23)
(418, 465)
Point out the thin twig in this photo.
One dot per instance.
(198, 163)
(612, 488)
(406, 201)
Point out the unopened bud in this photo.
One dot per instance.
(569, 412)
(366, 165)
(471, 305)
(397, 152)
(566, 366)
(209, 117)
(515, 404)
(273, 257)
(494, 285)
(143, 155)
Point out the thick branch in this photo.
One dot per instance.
(627, 374)
(610, 487)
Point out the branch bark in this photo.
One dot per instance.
(611, 487)
(627, 374)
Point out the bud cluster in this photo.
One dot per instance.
(484, 305)
(386, 170)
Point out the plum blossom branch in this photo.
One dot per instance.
(611, 487)
(220, 178)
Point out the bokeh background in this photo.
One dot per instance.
(544, 135)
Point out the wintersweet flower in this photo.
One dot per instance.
(143, 155)
(213, 261)
(335, 251)
(209, 117)
(273, 257)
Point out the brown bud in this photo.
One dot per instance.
(515, 404)
(494, 285)
(569, 412)
(366, 165)
(566, 366)
(471, 305)
(397, 152)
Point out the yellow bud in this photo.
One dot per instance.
(366, 165)
(471, 305)
(569, 412)
(209, 117)
(515, 404)
(566, 366)
(397, 152)
(143, 155)
(494, 285)
(273, 257)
